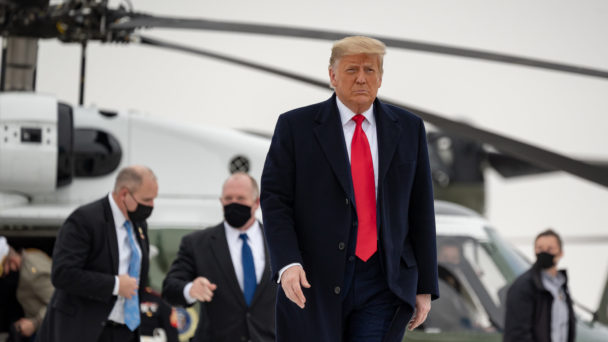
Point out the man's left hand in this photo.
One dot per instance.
(25, 327)
(423, 306)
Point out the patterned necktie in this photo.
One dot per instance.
(132, 315)
(362, 170)
(249, 279)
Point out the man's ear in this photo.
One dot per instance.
(332, 76)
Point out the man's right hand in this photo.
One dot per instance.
(127, 286)
(291, 279)
(202, 289)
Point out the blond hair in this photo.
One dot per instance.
(355, 45)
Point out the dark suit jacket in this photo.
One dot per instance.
(85, 261)
(308, 207)
(226, 317)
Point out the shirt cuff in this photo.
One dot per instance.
(116, 286)
(189, 299)
(285, 268)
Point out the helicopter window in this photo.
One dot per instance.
(511, 262)
(471, 287)
(456, 309)
(97, 153)
(485, 268)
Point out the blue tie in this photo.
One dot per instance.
(132, 316)
(249, 280)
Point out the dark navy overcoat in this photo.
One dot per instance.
(309, 212)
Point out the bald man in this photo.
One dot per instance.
(226, 268)
(99, 259)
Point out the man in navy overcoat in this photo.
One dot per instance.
(347, 203)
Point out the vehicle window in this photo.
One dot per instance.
(485, 269)
(466, 275)
(458, 309)
(510, 261)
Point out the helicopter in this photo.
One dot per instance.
(103, 138)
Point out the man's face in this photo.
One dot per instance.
(550, 245)
(239, 190)
(145, 194)
(356, 80)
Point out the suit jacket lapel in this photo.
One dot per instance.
(388, 132)
(224, 260)
(330, 135)
(112, 239)
(265, 281)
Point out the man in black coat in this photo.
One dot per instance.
(99, 258)
(227, 269)
(539, 307)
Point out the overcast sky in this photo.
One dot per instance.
(565, 113)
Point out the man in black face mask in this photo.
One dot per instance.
(539, 307)
(226, 268)
(99, 261)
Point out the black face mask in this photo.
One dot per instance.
(544, 260)
(141, 212)
(237, 214)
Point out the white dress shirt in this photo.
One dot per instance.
(369, 127)
(255, 239)
(348, 127)
(124, 255)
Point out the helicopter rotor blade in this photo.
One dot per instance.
(540, 157)
(509, 167)
(135, 21)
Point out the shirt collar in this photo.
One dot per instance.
(559, 278)
(119, 218)
(346, 114)
(233, 233)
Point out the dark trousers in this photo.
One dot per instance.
(369, 308)
(113, 332)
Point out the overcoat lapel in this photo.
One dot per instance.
(330, 136)
(388, 132)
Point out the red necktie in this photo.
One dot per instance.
(362, 169)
